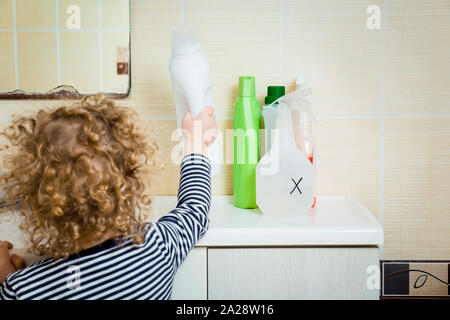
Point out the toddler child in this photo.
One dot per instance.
(76, 178)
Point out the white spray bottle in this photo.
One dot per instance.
(190, 73)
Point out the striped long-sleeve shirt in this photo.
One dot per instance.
(123, 270)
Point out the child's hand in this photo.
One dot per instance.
(9, 264)
(199, 132)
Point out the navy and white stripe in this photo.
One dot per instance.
(120, 269)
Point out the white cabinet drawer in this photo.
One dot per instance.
(291, 273)
(190, 279)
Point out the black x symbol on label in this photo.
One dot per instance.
(296, 185)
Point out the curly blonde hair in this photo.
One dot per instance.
(77, 173)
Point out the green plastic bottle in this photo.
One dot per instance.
(269, 116)
(246, 125)
(273, 93)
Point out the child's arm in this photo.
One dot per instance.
(181, 228)
(8, 265)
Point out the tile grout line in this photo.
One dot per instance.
(100, 44)
(62, 30)
(16, 47)
(207, 272)
(382, 122)
(384, 115)
(335, 117)
(283, 42)
(58, 44)
(431, 147)
(183, 12)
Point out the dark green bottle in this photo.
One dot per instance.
(274, 93)
(246, 125)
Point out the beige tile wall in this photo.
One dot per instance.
(381, 97)
(151, 23)
(6, 20)
(348, 155)
(329, 41)
(112, 17)
(416, 57)
(7, 76)
(88, 8)
(36, 14)
(416, 156)
(79, 60)
(36, 60)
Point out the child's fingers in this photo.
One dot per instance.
(211, 134)
(207, 115)
(6, 245)
(208, 110)
(17, 262)
(212, 121)
(187, 118)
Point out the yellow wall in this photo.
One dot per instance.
(382, 97)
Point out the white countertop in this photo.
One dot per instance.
(335, 221)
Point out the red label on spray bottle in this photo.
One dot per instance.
(311, 158)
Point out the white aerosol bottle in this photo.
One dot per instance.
(190, 73)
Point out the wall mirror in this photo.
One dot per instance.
(52, 49)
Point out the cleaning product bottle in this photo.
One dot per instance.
(269, 115)
(285, 177)
(191, 82)
(246, 125)
(302, 122)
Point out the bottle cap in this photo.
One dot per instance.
(246, 86)
(185, 41)
(273, 93)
